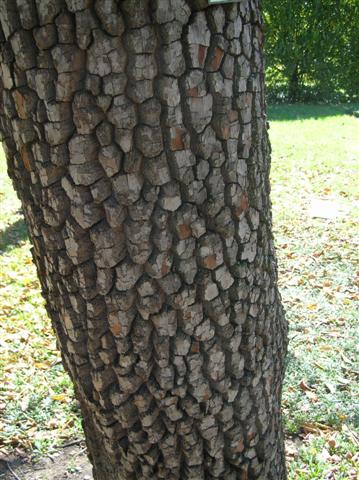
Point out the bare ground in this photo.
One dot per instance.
(68, 464)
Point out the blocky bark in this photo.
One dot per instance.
(136, 138)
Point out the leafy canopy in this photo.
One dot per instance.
(312, 49)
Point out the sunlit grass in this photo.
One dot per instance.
(316, 157)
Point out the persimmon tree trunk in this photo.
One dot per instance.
(136, 138)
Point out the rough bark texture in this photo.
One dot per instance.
(135, 134)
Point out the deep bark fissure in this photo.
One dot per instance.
(135, 134)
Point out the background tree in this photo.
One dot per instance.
(135, 134)
(312, 49)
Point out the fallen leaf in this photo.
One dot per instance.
(304, 386)
(313, 397)
(315, 427)
(41, 365)
(330, 387)
(334, 459)
(324, 455)
(335, 334)
(332, 442)
(312, 306)
(291, 450)
(24, 405)
(326, 348)
(60, 397)
(331, 475)
(316, 364)
(343, 381)
(346, 359)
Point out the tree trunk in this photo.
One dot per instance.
(293, 87)
(135, 134)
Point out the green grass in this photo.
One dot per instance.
(315, 156)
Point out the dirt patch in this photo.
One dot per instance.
(68, 464)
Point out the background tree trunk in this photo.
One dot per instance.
(293, 87)
(135, 134)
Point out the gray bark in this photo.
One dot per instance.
(135, 133)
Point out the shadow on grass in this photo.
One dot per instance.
(13, 235)
(302, 111)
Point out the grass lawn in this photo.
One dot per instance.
(315, 171)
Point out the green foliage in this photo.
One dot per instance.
(312, 50)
